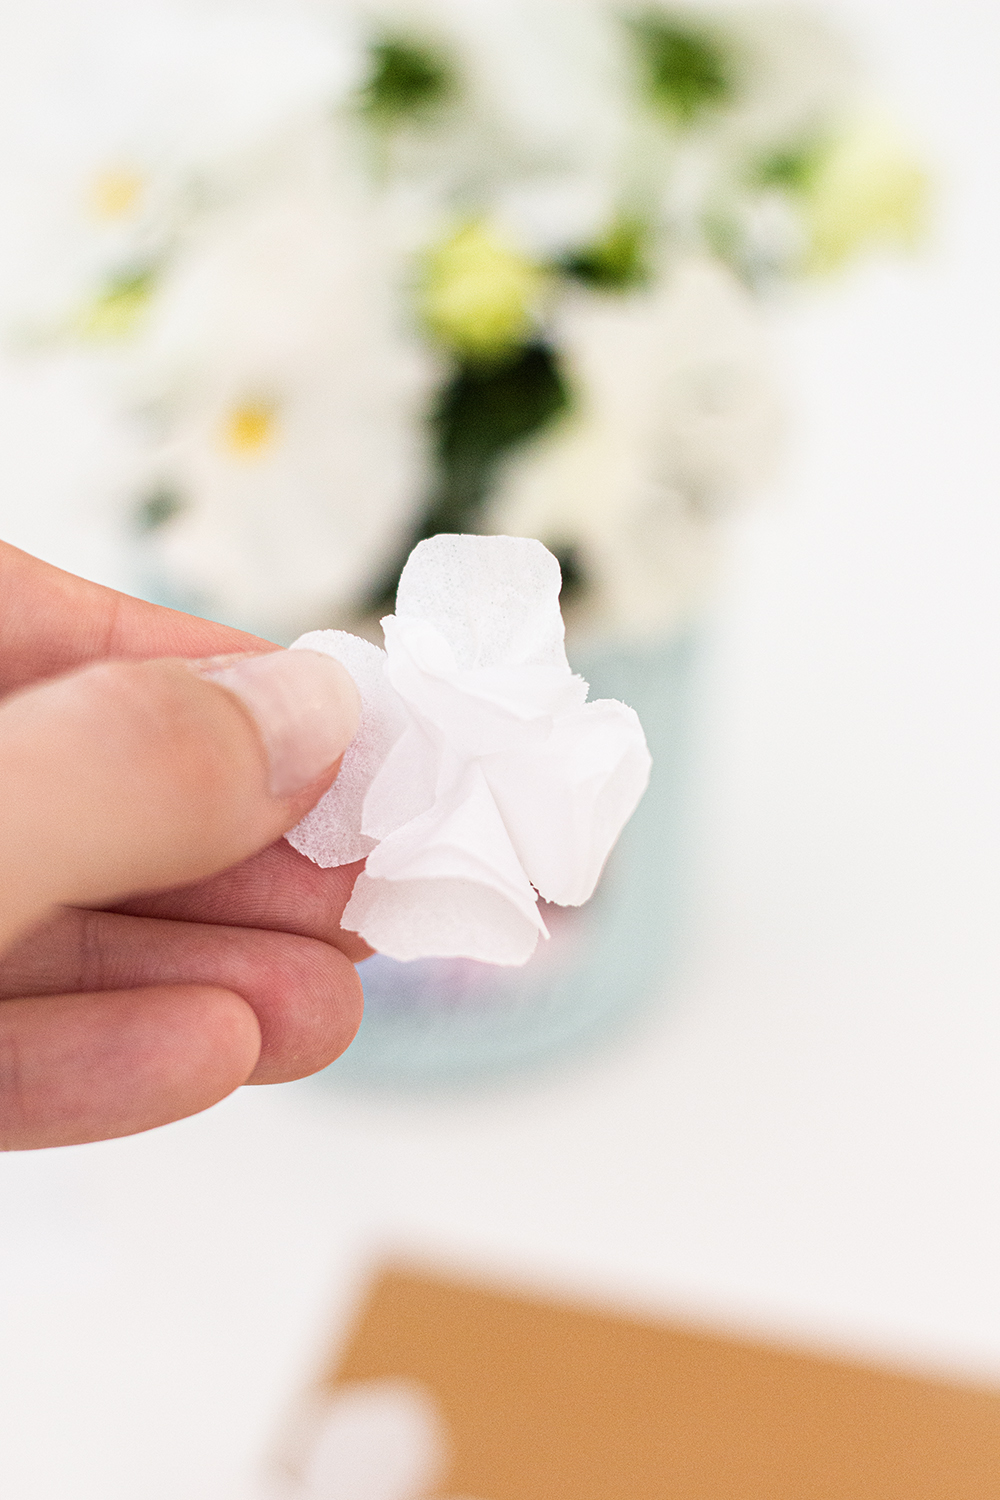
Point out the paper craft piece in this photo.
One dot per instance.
(540, 1399)
(480, 777)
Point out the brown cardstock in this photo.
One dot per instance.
(546, 1401)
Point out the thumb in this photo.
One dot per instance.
(128, 777)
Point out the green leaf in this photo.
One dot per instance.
(793, 167)
(574, 575)
(616, 262)
(117, 310)
(157, 510)
(481, 415)
(687, 70)
(406, 79)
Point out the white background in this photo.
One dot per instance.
(805, 1138)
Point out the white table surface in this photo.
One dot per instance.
(805, 1136)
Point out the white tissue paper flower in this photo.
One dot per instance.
(480, 778)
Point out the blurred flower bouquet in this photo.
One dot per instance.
(356, 273)
(350, 273)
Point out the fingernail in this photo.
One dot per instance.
(305, 706)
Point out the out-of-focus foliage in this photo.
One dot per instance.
(405, 81)
(618, 260)
(479, 296)
(686, 66)
(865, 189)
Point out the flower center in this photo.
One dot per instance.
(249, 428)
(115, 193)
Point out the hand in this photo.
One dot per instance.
(158, 947)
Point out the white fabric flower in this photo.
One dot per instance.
(481, 778)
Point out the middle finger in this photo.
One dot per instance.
(306, 994)
(278, 889)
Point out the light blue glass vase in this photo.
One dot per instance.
(447, 1021)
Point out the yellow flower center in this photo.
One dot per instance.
(115, 193)
(249, 428)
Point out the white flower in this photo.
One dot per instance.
(539, 124)
(504, 783)
(289, 393)
(126, 118)
(677, 417)
(786, 71)
(797, 73)
(68, 467)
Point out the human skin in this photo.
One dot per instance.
(160, 943)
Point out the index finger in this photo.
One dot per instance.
(51, 622)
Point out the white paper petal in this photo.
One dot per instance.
(480, 776)
(331, 833)
(448, 883)
(444, 918)
(495, 599)
(480, 710)
(565, 804)
(405, 786)
(462, 836)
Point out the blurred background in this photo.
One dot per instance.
(706, 300)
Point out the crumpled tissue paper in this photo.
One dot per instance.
(480, 777)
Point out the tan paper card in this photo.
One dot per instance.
(500, 1396)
